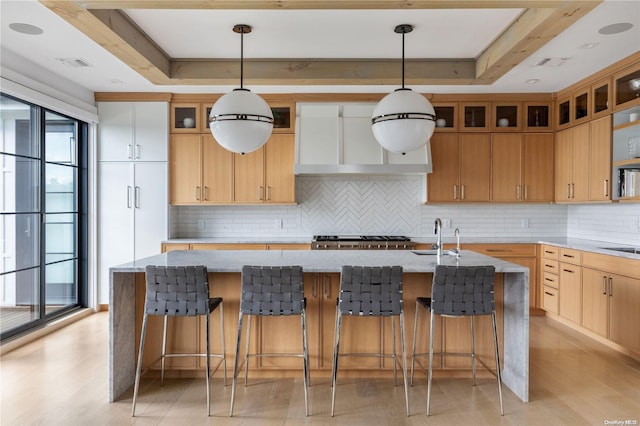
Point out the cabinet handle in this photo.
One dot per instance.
(517, 192)
(549, 294)
(267, 193)
(526, 192)
(325, 286)
(455, 192)
(259, 193)
(604, 285)
(204, 197)
(129, 151)
(610, 287)
(137, 151)
(136, 197)
(570, 256)
(462, 192)
(568, 270)
(498, 250)
(548, 266)
(128, 197)
(313, 286)
(198, 193)
(568, 190)
(549, 279)
(606, 187)
(573, 190)
(549, 252)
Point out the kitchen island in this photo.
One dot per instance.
(417, 266)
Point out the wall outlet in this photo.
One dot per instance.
(201, 224)
(524, 223)
(278, 223)
(446, 223)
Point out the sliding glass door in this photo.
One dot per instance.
(42, 233)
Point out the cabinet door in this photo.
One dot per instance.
(595, 301)
(279, 178)
(115, 218)
(537, 167)
(580, 162)
(217, 163)
(248, 177)
(563, 165)
(475, 166)
(184, 169)
(318, 126)
(151, 130)
(150, 207)
(442, 183)
(624, 299)
(570, 292)
(115, 131)
(600, 151)
(505, 170)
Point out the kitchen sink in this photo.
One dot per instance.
(623, 249)
(428, 252)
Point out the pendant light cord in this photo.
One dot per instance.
(242, 57)
(403, 59)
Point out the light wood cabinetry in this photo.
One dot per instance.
(600, 159)
(167, 247)
(563, 117)
(522, 167)
(461, 167)
(570, 302)
(506, 116)
(626, 87)
(581, 106)
(571, 159)
(550, 283)
(626, 161)
(537, 116)
(447, 116)
(475, 116)
(595, 301)
(601, 94)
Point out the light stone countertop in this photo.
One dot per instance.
(316, 260)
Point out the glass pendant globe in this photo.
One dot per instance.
(403, 121)
(241, 121)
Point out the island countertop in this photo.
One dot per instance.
(317, 260)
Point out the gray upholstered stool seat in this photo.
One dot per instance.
(370, 291)
(271, 291)
(179, 292)
(459, 291)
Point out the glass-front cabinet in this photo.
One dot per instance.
(601, 98)
(627, 87)
(537, 116)
(474, 116)
(185, 118)
(581, 111)
(505, 116)
(284, 117)
(446, 117)
(564, 106)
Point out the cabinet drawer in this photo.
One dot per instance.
(550, 280)
(550, 266)
(550, 299)
(570, 256)
(504, 250)
(550, 252)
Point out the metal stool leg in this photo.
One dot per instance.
(415, 338)
(336, 350)
(164, 350)
(497, 349)
(224, 352)
(139, 367)
(433, 319)
(404, 362)
(208, 372)
(305, 360)
(473, 351)
(246, 350)
(394, 355)
(235, 366)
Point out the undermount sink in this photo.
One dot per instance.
(428, 252)
(632, 250)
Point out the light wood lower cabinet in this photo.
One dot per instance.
(570, 301)
(269, 335)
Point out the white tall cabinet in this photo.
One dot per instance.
(132, 184)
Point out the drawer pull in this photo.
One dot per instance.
(498, 250)
(549, 279)
(549, 266)
(569, 271)
(549, 252)
(549, 294)
(570, 256)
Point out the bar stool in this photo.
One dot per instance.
(272, 291)
(370, 291)
(459, 291)
(179, 291)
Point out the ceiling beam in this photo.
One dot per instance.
(107, 25)
(317, 4)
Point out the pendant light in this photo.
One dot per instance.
(403, 120)
(241, 121)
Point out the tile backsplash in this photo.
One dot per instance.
(394, 205)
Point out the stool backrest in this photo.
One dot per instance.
(272, 290)
(463, 290)
(177, 290)
(370, 290)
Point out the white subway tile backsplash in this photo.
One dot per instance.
(615, 223)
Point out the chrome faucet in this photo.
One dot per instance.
(438, 231)
(456, 234)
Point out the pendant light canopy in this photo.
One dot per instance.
(241, 121)
(403, 120)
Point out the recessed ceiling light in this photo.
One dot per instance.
(115, 81)
(588, 46)
(74, 62)
(25, 28)
(620, 27)
(532, 81)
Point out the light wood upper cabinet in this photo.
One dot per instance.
(581, 112)
(461, 167)
(572, 164)
(248, 177)
(506, 116)
(563, 116)
(187, 118)
(600, 159)
(475, 116)
(626, 85)
(522, 167)
(279, 179)
(216, 172)
(601, 98)
(446, 116)
(537, 116)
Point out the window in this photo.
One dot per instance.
(43, 215)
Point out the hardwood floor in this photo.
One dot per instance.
(61, 379)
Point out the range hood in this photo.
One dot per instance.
(336, 138)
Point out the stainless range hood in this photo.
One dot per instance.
(336, 138)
